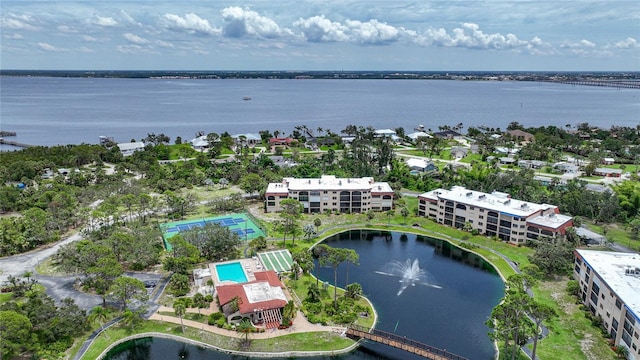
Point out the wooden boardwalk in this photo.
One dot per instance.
(400, 342)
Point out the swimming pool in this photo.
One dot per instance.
(231, 272)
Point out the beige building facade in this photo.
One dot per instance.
(494, 214)
(610, 288)
(329, 193)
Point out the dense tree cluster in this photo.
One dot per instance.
(34, 323)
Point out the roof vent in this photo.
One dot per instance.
(482, 196)
(469, 193)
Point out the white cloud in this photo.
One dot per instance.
(135, 39)
(470, 36)
(240, 23)
(14, 36)
(51, 48)
(89, 38)
(66, 29)
(104, 21)
(372, 32)
(628, 43)
(164, 44)
(85, 49)
(191, 23)
(17, 22)
(321, 29)
(130, 49)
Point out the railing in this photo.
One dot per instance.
(401, 342)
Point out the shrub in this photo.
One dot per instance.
(222, 323)
(214, 317)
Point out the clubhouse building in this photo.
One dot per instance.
(494, 214)
(329, 193)
(610, 288)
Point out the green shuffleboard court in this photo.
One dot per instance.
(239, 224)
(278, 260)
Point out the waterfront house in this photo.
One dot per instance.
(608, 161)
(200, 143)
(282, 141)
(127, 149)
(521, 136)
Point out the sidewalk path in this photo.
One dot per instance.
(300, 324)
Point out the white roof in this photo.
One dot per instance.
(248, 136)
(552, 221)
(328, 182)
(131, 146)
(200, 141)
(419, 163)
(385, 132)
(418, 134)
(610, 267)
(608, 171)
(261, 291)
(496, 201)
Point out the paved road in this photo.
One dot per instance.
(58, 287)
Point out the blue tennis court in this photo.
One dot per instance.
(239, 224)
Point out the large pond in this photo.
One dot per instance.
(446, 307)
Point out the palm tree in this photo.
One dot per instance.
(245, 327)
(99, 314)
(405, 213)
(180, 310)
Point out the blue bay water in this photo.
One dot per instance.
(49, 111)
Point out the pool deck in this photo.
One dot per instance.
(249, 266)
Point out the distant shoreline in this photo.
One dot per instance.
(332, 74)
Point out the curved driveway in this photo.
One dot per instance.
(58, 287)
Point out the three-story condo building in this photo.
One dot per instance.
(329, 193)
(610, 288)
(494, 214)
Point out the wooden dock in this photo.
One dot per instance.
(14, 143)
(400, 342)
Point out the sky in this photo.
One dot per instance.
(421, 35)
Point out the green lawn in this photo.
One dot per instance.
(324, 341)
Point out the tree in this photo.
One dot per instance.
(179, 284)
(309, 230)
(353, 290)
(405, 213)
(553, 257)
(351, 257)
(317, 222)
(199, 301)
(291, 210)
(214, 241)
(252, 183)
(126, 289)
(99, 314)
(179, 309)
(288, 313)
(390, 214)
(313, 293)
(333, 257)
(539, 312)
(245, 327)
(15, 333)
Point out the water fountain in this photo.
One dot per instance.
(409, 272)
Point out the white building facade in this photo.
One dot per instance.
(328, 193)
(610, 288)
(494, 214)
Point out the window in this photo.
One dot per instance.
(618, 303)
